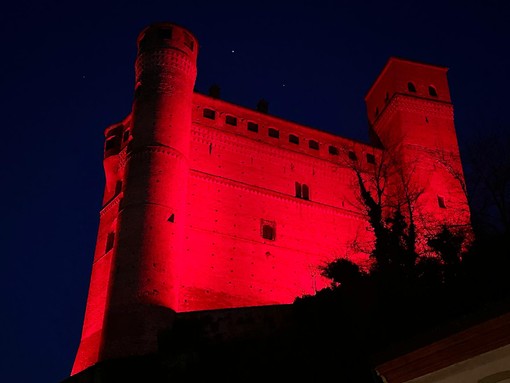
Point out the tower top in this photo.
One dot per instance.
(409, 78)
(167, 35)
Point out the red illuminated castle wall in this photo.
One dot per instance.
(211, 205)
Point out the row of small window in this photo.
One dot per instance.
(293, 139)
(412, 88)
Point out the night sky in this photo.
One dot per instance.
(67, 73)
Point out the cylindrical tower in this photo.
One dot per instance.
(143, 287)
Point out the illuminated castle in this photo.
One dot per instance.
(210, 205)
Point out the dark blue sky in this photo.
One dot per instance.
(67, 73)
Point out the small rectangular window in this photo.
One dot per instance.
(253, 127)
(271, 132)
(440, 202)
(293, 139)
(333, 150)
(231, 120)
(352, 155)
(268, 230)
(209, 113)
(313, 145)
(370, 158)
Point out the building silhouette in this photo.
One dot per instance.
(211, 206)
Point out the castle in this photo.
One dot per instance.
(210, 205)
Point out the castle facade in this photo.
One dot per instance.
(210, 205)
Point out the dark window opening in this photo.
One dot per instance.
(231, 120)
(109, 242)
(370, 158)
(171, 218)
(209, 113)
(411, 87)
(111, 143)
(253, 127)
(432, 91)
(305, 192)
(273, 133)
(352, 155)
(293, 139)
(118, 187)
(188, 41)
(440, 202)
(268, 230)
(126, 136)
(313, 145)
(302, 191)
(165, 34)
(333, 150)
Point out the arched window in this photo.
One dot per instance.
(305, 192)
(411, 87)
(302, 191)
(298, 190)
(432, 91)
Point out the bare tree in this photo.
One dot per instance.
(388, 196)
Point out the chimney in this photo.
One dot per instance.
(263, 106)
(214, 91)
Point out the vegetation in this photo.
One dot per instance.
(406, 299)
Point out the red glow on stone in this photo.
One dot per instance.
(200, 213)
